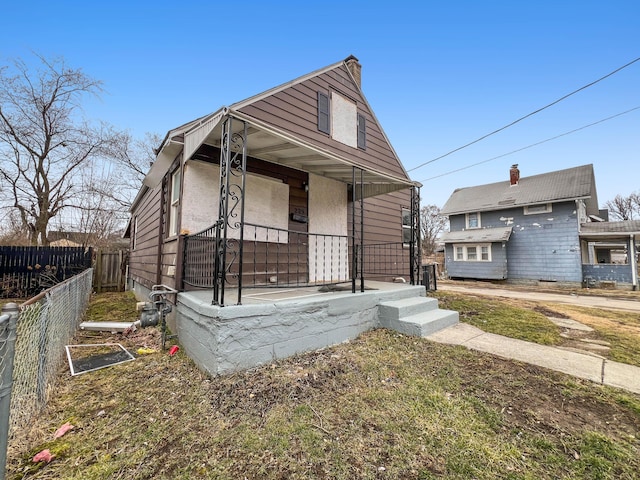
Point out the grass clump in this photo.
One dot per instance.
(499, 317)
(382, 406)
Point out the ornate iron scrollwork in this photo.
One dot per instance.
(230, 231)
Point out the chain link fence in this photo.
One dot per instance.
(46, 323)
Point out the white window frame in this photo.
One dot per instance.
(174, 202)
(405, 227)
(536, 209)
(466, 219)
(480, 250)
(134, 236)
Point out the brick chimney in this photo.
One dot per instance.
(514, 174)
(355, 68)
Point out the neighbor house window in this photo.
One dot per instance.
(175, 202)
(406, 227)
(472, 253)
(473, 220)
(533, 209)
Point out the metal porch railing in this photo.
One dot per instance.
(272, 257)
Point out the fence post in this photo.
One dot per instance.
(8, 323)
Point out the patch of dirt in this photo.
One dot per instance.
(547, 312)
(535, 399)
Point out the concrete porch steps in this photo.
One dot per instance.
(417, 316)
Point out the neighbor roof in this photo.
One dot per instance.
(562, 185)
(626, 227)
(500, 234)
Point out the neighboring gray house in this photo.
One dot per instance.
(541, 228)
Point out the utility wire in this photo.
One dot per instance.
(526, 116)
(532, 145)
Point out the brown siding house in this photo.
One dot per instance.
(297, 185)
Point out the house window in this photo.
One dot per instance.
(323, 113)
(134, 233)
(473, 220)
(472, 253)
(533, 209)
(175, 202)
(406, 227)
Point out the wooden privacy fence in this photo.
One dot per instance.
(27, 271)
(110, 270)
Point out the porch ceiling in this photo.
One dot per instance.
(272, 145)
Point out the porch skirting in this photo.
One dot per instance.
(222, 340)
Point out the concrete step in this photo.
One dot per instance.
(397, 309)
(422, 324)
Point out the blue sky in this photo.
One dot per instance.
(437, 74)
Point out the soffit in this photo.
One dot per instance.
(272, 145)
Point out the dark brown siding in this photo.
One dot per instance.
(143, 261)
(383, 225)
(295, 110)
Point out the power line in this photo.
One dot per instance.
(532, 145)
(526, 116)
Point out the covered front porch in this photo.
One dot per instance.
(263, 209)
(610, 254)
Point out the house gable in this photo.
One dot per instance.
(351, 131)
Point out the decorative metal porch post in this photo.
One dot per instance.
(233, 168)
(357, 268)
(414, 247)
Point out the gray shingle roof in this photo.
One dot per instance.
(562, 185)
(626, 227)
(480, 235)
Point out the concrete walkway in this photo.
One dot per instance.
(582, 365)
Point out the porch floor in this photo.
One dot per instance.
(252, 296)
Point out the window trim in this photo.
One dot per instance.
(547, 209)
(464, 247)
(466, 220)
(174, 201)
(405, 226)
(134, 236)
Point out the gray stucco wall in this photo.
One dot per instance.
(226, 339)
(542, 246)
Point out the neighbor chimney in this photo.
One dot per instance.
(514, 174)
(355, 68)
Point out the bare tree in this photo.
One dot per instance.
(44, 141)
(431, 225)
(624, 208)
(130, 162)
